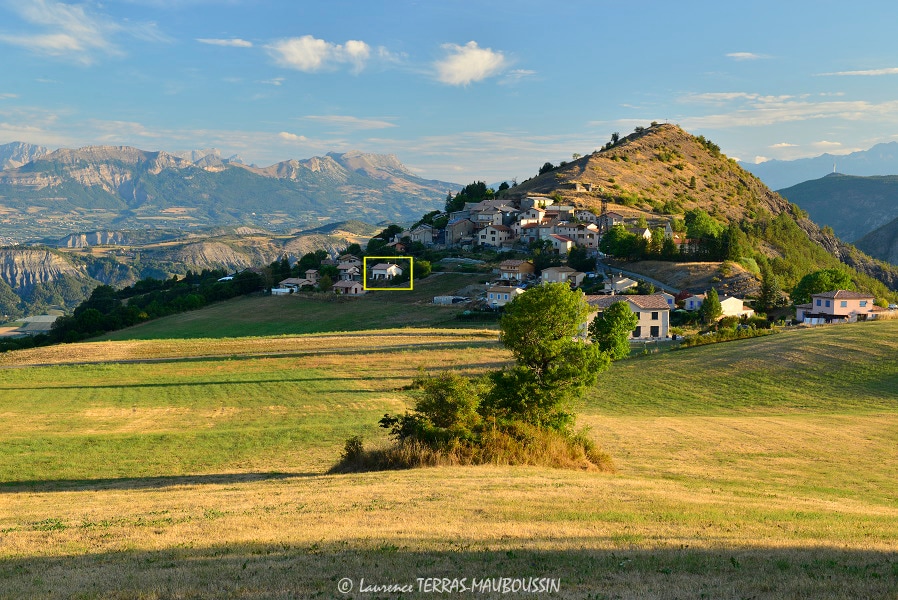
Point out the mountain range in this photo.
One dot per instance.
(881, 159)
(45, 195)
(853, 206)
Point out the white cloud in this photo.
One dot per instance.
(8, 96)
(114, 131)
(826, 144)
(760, 159)
(757, 113)
(351, 123)
(292, 137)
(72, 32)
(309, 54)
(516, 76)
(722, 97)
(784, 145)
(746, 56)
(868, 72)
(276, 81)
(468, 63)
(232, 42)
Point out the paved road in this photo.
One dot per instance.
(638, 277)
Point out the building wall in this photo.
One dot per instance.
(646, 322)
(842, 308)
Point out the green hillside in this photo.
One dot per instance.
(312, 313)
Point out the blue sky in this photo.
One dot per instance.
(458, 90)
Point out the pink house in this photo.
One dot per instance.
(837, 305)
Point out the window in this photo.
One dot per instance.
(843, 303)
(655, 331)
(818, 301)
(637, 332)
(863, 303)
(654, 316)
(506, 296)
(827, 304)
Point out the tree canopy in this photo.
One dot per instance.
(610, 329)
(826, 280)
(541, 328)
(711, 310)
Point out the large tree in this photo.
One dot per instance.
(610, 329)
(541, 328)
(826, 280)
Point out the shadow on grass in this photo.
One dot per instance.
(315, 571)
(177, 384)
(141, 483)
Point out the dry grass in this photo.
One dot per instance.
(144, 350)
(624, 536)
(714, 496)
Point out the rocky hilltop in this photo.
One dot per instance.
(662, 172)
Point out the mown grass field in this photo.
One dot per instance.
(764, 468)
(312, 313)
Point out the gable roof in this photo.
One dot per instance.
(843, 295)
(384, 266)
(513, 263)
(347, 284)
(644, 302)
(295, 281)
(560, 270)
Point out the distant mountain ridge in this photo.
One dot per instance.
(881, 159)
(17, 154)
(121, 187)
(853, 206)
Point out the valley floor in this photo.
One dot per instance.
(756, 469)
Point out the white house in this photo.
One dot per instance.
(383, 271)
(694, 302)
(561, 244)
(730, 305)
(735, 307)
(618, 284)
(494, 235)
(349, 272)
(500, 295)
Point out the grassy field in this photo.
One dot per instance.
(757, 469)
(312, 313)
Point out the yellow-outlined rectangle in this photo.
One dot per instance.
(411, 273)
